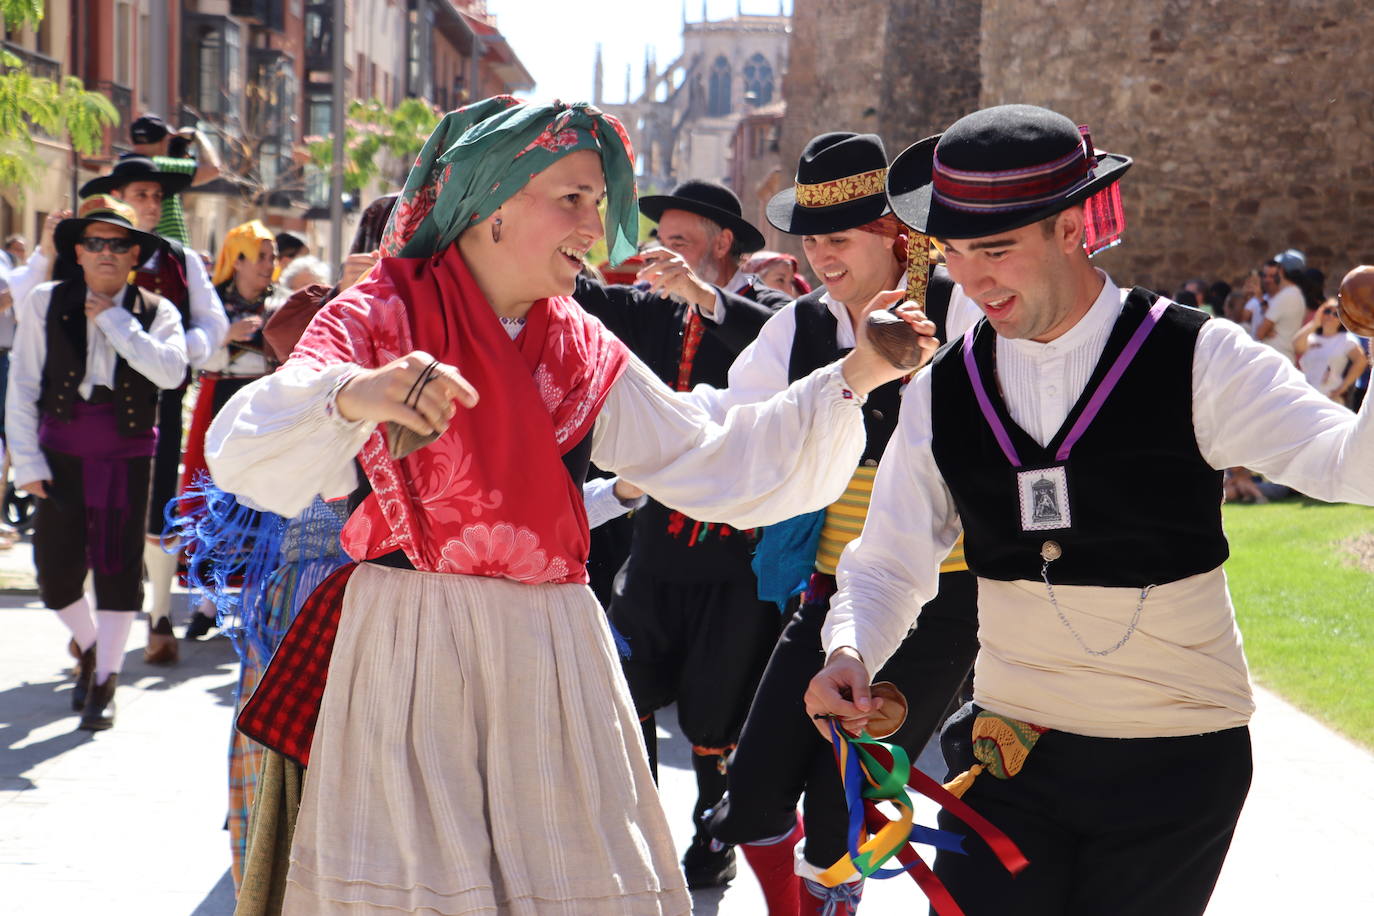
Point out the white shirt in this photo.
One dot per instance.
(28, 275)
(1288, 310)
(159, 354)
(277, 444)
(1326, 359)
(1184, 671)
(761, 368)
(736, 285)
(598, 495)
(209, 324)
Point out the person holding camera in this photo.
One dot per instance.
(170, 151)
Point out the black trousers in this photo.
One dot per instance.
(59, 539)
(1126, 826)
(167, 458)
(702, 645)
(780, 753)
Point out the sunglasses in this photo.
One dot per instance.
(97, 244)
(1332, 312)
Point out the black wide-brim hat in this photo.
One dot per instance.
(102, 208)
(136, 168)
(996, 170)
(840, 185)
(714, 201)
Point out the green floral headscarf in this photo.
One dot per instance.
(480, 156)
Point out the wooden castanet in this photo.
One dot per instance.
(895, 340)
(1356, 301)
(889, 717)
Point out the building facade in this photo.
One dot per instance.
(684, 121)
(257, 77)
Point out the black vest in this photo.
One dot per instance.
(813, 346)
(135, 396)
(1145, 505)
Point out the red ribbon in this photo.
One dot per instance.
(1007, 852)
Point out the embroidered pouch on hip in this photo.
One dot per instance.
(1001, 746)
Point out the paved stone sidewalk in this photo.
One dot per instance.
(130, 821)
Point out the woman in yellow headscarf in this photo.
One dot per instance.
(243, 279)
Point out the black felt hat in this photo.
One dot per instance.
(840, 180)
(102, 208)
(131, 168)
(148, 128)
(714, 201)
(996, 170)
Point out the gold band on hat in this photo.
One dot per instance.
(842, 190)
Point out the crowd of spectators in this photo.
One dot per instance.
(1283, 303)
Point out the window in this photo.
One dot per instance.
(318, 17)
(212, 72)
(718, 98)
(758, 80)
(318, 120)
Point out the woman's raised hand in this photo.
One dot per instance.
(416, 391)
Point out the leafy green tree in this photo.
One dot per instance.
(58, 109)
(376, 137)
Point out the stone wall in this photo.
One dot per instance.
(932, 73)
(1252, 131)
(1252, 128)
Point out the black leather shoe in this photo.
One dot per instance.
(85, 670)
(200, 625)
(99, 713)
(708, 863)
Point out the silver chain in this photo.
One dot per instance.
(1130, 630)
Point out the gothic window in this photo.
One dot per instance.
(758, 80)
(718, 102)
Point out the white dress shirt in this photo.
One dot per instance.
(277, 444)
(159, 354)
(209, 324)
(760, 371)
(1183, 671)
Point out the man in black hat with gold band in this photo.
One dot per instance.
(857, 247)
(1075, 437)
(686, 602)
(179, 276)
(81, 416)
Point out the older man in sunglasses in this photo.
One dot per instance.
(90, 357)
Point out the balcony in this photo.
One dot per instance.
(269, 14)
(122, 97)
(36, 64)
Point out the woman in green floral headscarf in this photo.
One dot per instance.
(474, 748)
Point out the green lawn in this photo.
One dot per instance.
(1306, 607)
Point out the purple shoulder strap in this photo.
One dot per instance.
(1099, 397)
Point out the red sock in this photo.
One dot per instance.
(775, 867)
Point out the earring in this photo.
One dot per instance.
(496, 230)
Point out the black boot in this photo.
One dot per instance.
(85, 670)
(200, 625)
(649, 729)
(708, 862)
(99, 713)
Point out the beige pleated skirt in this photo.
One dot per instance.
(477, 752)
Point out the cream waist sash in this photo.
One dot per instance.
(1182, 672)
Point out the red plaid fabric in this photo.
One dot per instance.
(283, 710)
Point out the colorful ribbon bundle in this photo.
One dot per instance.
(873, 771)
